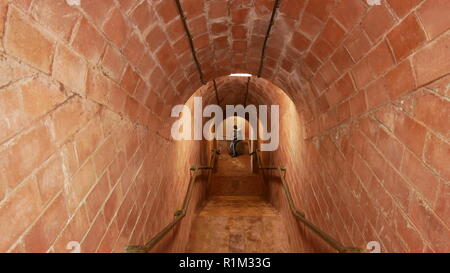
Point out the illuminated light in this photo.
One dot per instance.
(241, 75)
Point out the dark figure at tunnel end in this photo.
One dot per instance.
(236, 139)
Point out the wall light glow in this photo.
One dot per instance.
(241, 75)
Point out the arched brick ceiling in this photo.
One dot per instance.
(318, 51)
(233, 91)
(315, 50)
(228, 36)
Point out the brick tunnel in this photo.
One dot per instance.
(88, 162)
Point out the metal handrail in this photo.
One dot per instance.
(179, 214)
(301, 216)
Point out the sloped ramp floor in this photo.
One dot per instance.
(238, 224)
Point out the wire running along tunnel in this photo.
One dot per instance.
(87, 89)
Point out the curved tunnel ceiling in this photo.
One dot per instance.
(239, 90)
(305, 52)
(228, 37)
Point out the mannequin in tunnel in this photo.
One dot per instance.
(237, 137)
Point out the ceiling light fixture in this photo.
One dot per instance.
(241, 75)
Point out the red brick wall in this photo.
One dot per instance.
(368, 159)
(86, 92)
(83, 156)
(362, 181)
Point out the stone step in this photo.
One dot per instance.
(234, 224)
(244, 185)
(238, 206)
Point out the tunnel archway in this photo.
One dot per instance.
(87, 87)
(263, 92)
